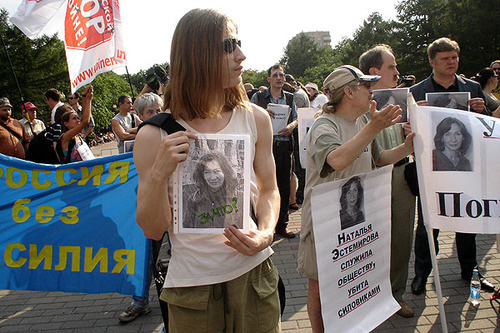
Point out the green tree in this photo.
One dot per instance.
(256, 78)
(473, 25)
(420, 22)
(107, 87)
(328, 60)
(38, 64)
(300, 54)
(468, 22)
(374, 30)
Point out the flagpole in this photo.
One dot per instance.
(12, 69)
(437, 281)
(130, 83)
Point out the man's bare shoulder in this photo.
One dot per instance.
(149, 133)
(261, 115)
(147, 143)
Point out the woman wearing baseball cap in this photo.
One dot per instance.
(340, 145)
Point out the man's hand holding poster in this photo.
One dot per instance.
(457, 163)
(279, 118)
(352, 228)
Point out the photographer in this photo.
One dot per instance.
(406, 81)
(154, 83)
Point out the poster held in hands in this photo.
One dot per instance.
(280, 119)
(397, 96)
(212, 187)
(353, 269)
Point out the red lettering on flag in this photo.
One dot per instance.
(88, 23)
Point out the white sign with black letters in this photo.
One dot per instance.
(458, 168)
(352, 228)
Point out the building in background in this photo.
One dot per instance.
(321, 38)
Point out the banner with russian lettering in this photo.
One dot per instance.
(71, 227)
(93, 39)
(458, 168)
(352, 230)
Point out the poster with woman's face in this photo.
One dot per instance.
(452, 144)
(351, 203)
(213, 185)
(385, 97)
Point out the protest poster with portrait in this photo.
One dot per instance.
(212, 187)
(457, 164)
(397, 96)
(305, 119)
(352, 228)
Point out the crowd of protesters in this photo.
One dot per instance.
(342, 142)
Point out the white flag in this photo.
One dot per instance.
(93, 39)
(33, 15)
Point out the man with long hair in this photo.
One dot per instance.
(215, 282)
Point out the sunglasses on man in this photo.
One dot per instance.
(230, 44)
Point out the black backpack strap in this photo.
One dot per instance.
(165, 121)
(11, 131)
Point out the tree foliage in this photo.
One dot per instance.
(418, 23)
(257, 78)
(39, 65)
(107, 87)
(300, 54)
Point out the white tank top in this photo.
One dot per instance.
(203, 259)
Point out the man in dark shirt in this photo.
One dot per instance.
(443, 58)
(282, 141)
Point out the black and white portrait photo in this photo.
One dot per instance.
(351, 203)
(452, 143)
(450, 100)
(212, 186)
(384, 97)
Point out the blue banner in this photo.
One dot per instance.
(71, 227)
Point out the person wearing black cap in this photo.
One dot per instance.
(340, 145)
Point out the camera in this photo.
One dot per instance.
(159, 75)
(407, 80)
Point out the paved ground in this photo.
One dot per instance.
(22, 311)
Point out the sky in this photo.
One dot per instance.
(264, 27)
